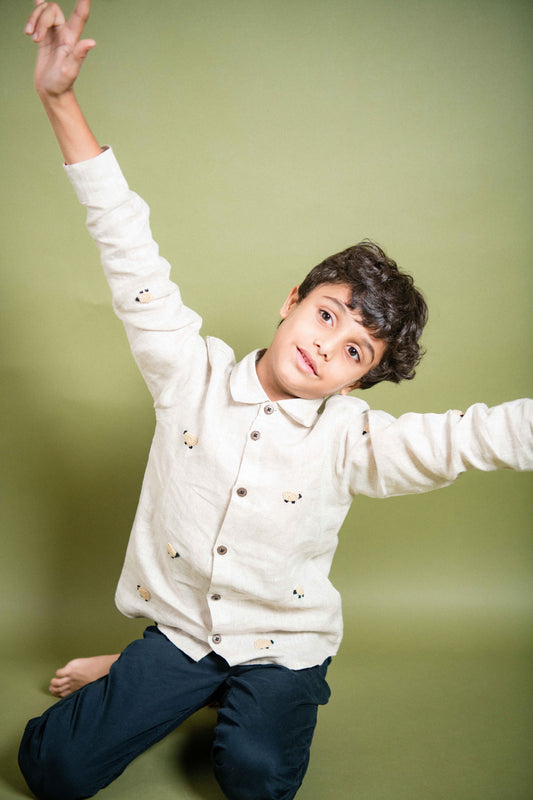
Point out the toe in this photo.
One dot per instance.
(62, 673)
(57, 685)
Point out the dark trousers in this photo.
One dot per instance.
(265, 724)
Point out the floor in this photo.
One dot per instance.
(416, 714)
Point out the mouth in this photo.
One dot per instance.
(305, 361)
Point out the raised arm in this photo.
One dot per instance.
(59, 60)
(162, 331)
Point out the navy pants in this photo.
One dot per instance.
(265, 724)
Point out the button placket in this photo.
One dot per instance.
(240, 492)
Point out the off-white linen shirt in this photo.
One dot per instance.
(243, 498)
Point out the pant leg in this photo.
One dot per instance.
(265, 728)
(86, 740)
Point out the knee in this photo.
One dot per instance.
(248, 772)
(52, 772)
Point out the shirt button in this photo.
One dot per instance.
(242, 492)
(215, 597)
(255, 435)
(216, 639)
(268, 409)
(222, 550)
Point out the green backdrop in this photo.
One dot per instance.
(265, 136)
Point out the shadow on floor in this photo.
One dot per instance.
(194, 758)
(13, 781)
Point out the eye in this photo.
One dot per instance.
(353, 352)
(326, 316)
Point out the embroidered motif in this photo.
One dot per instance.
(189, 439)
(291, 497)
(366, 430)
(145, 594)
(172, 552)
(459, 413)
(263, 644)
(299, 592)
(144, 296)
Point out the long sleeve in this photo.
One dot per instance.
(162, 331)
(420, 452)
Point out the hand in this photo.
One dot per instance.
(61, 52)
(59, 60)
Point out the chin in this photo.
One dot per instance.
(310, 395)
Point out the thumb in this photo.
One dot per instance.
(83, 47)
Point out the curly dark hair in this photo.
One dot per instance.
(391, 306)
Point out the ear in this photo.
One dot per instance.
(290, 302)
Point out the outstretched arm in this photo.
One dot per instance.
(420, 452)
(59, 60)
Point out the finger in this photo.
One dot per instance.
(50, 17)
(34, 16)
(79, 17)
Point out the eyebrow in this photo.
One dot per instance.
(346, 309)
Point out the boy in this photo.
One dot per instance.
(246, 486)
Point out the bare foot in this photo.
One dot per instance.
(78, 672)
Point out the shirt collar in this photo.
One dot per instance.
(245, 387)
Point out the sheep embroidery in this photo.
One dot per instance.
(263, 644)
(291, 497)
(144, 296)
(145, 594)
(189, 439)
(299, 592)
(172, 552)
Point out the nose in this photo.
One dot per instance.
(328, 343)
(323, 349)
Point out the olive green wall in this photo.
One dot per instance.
(265, 136)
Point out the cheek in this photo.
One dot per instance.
(347, 375)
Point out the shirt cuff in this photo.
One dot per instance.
(98, 181)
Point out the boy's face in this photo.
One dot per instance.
(320, 348)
